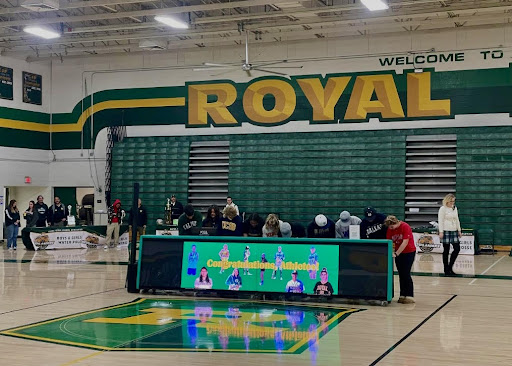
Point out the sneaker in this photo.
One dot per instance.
(261, 283)
(273, 278)
(409, 300)
(118, 247)
(249, 274)
(401, 299)
(105, 247)
(15, 249)
(10, 249)
(281, 278)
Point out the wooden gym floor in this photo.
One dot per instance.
(456, 321)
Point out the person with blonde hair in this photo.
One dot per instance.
(404, 252)
(449, 232)
(271, 227)
(231, 224)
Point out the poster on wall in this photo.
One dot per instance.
(32, 88)
(6, 83)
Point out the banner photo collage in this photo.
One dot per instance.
(259, 267)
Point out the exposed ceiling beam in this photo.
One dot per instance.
(135, 13)
(75, 5)
(169, 34)
(47, 55)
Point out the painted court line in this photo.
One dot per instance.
(412, 331)
(487, 270)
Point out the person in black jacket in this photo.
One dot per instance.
(372, 226)
(12, 224)
(321, 227)
(42, 212)
(176, 208)
(212, 217)
(31, 214)
(58, 213)
(253, 226)
(142, 219)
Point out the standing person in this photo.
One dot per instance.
(189, 218)
(231, 223)
(271, 227)
(322, 227)
(279, 259)
(262, 272)
(12, 224)
(193, 258)
(115, 217)
(404, 251)
(176, 208)
(142, 219)
(372, 226)
(343, 224)
(313, 261)
(224, 258)
(42, 212)
(212, 217)
(247, 254)
(449, 232)
(230, 203)
(253, 226)
(31, 214)
(58, 213)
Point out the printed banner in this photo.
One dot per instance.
(6, 83)
(430, 243)
(289, 268)
(72, 238)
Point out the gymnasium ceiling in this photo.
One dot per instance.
(115, 26)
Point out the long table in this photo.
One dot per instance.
(69, 237)
(360, 269)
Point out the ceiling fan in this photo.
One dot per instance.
(247, 66)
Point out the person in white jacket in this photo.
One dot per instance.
(449, 232)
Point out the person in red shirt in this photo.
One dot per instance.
(404, 252)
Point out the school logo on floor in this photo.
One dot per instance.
(188, 325)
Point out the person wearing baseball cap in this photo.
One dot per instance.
(343, 224)
(285, 229)
(372, 226)
(321, 227)
(294, 285)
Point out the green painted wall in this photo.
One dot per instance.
(298, 175)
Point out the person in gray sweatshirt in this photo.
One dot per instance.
(343, 224)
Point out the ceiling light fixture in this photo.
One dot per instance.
(41, 32)
(171, 22)
(375, 4)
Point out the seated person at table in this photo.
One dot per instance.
(321, 227)
(253, 225)
(343, 224)
(231, 223)
(271, 227)
(212, 217)
(372, 226)
(189, 218)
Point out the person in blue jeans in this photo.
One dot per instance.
(12, 223)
